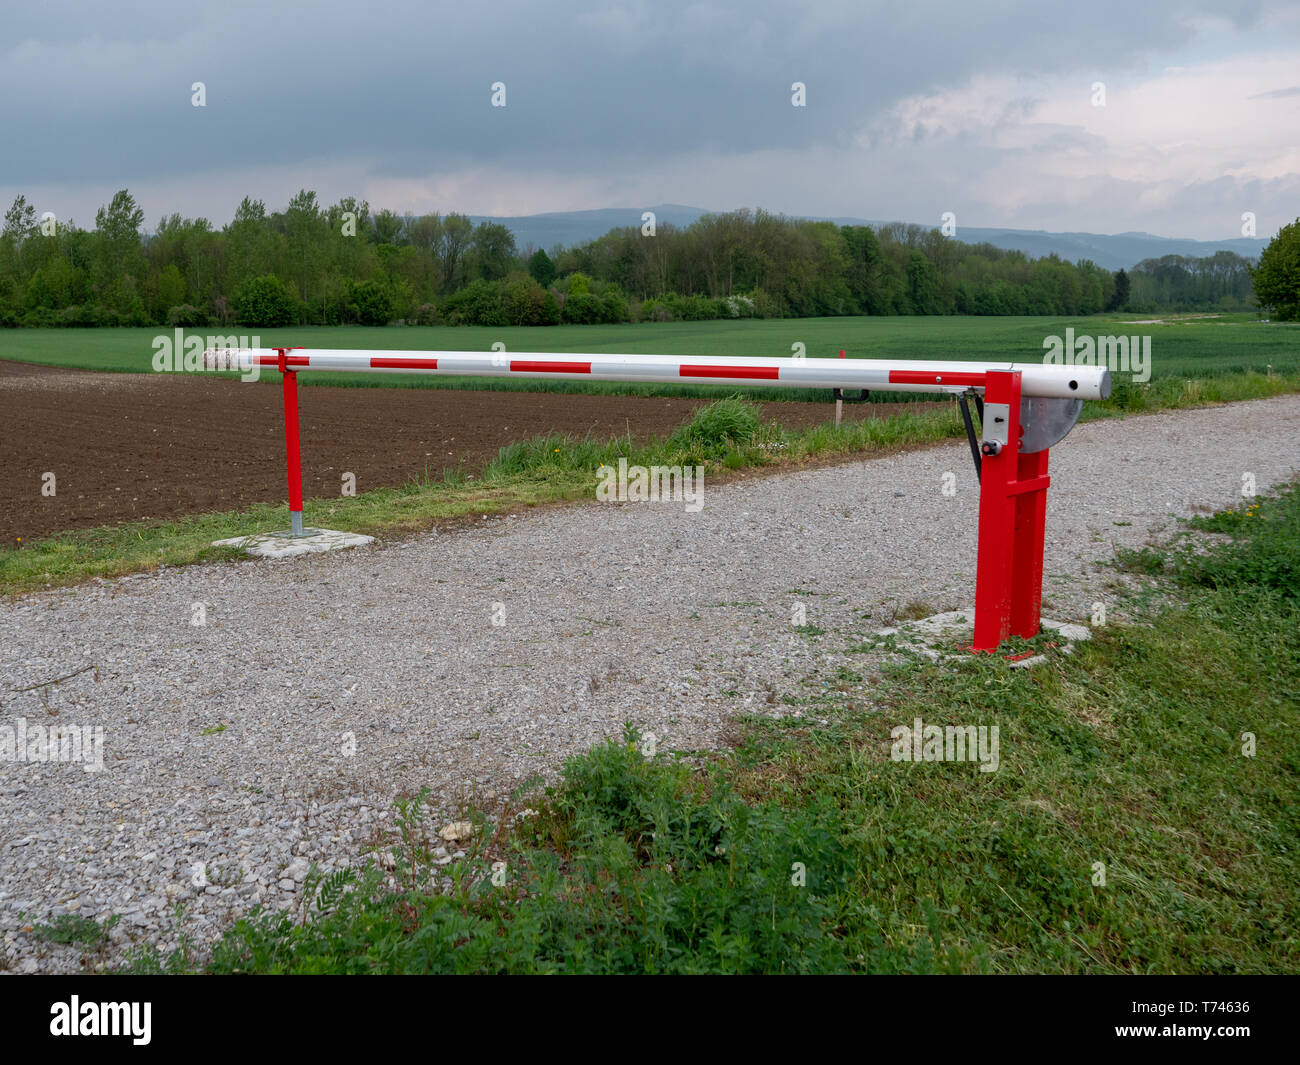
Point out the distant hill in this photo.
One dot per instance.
(573, 227)
(1112, 251)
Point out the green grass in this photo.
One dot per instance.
(73, 929)
(1130, 828)
(1200, 347)
(1272, 562)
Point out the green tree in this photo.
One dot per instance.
(494, 251)
(387, 227)
(171, 291)
(20, 220)
(120, 221)
(373, 303)
(542, 268)
(454, 243)
(1119, 298)
(264, 301)
(1277, 277)
(922, 288)
(525, 302)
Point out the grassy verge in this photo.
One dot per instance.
(551, 469)
(1143, 818)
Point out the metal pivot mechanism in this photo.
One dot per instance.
(1044, 422)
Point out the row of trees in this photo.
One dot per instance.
(315, 264)
(1181, 283)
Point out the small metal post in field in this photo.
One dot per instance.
(839, 400)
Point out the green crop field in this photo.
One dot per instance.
(1188, 347)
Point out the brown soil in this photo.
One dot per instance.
(126, 447)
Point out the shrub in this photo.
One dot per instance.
(694, 308)
(264, 301)
(372, 302)
(653, 311)
(82, 316)
(583, 309)
(739, 307)
(186, 314)
(719, 426)
(478, 303)
(614, 306)
(525, 302)
(765, 305)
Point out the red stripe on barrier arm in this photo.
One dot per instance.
(929, 377)
(282, 359)
(758, 373)
(403, 364)
(543, 366)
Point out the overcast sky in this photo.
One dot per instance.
(984, 108)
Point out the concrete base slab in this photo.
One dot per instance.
(933, 636)
(281, 545)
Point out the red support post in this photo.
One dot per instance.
(293, 456)
(1031, 520)
(1012, 519)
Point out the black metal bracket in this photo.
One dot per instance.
(970, 427)
(865, 393)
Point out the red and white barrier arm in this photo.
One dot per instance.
(882, 375)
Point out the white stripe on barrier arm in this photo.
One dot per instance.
(903, 375)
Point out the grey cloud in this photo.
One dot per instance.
(91, 93)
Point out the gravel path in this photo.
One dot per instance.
(228, 746)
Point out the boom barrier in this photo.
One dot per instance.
(1024, 409)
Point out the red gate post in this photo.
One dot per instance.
(1027, 555)
(293, 457)
(1013, 513)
